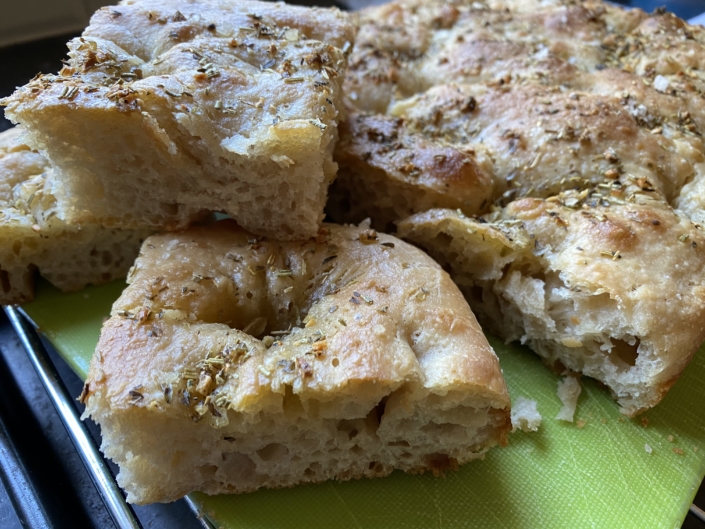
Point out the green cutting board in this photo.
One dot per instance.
(595, 472)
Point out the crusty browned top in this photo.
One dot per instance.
(352, 308)
(446, 174)
(562, 92)
(147, 28)
(411, 45)
(542, 139)
(235, 72)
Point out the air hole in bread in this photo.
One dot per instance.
(5, 281)
(626, 353)
(379, 409)
(349, 427)
(443, 239)
(399, 443)
(292, 403)
(106, 257)
(239, 465)
(313, 469)
(169, 210)
(476, 293)
(526, 270)
(208, 471)
(444, 429)
(273, 451)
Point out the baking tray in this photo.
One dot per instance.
(603, 470)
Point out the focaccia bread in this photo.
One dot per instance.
(233, 362)
(32, 237)
(587, 120)
(167, 108)
(611, 288)
(387, 171)
(405, 47)
(479, 144)
(539, 95)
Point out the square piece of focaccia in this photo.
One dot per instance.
(586, 120)
(32, 237)
(615, 291)
(233, 362)
(167, 108)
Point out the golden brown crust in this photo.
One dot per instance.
(342, 323)
(542, 140)
(412, 173)
(406, 47)
(560, 92)
(210, 105)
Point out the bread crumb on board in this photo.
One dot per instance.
(525, 415)
(568, 391)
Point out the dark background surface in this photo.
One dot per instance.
(49, 471)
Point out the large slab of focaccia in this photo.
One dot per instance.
(564, 142)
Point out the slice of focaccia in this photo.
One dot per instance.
(32, 237)
(169, 108)
(232, 363)
(611, 288)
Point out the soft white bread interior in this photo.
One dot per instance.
(32, 237)
(169, 108)
(592, 283)
(232, 363)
